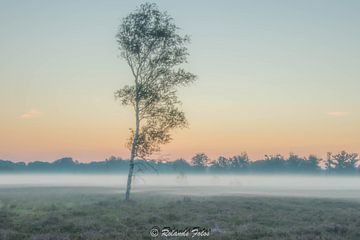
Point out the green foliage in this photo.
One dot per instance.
(150, 43)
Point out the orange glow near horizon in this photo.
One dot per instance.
(40, 140)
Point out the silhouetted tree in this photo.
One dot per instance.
(200, 160)
(271, 163)
(181, 165)
(65, 164)
(235, 163)
(304, 165)
(328, 163)
(8, 166)
(152, 47)
(313, 163)
(239, 162)
(222, 163)
(39, 166)
(344, 162)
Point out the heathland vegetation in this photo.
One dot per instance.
(98, 213)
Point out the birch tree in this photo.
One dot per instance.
(155, 51)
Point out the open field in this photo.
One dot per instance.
(89, 213)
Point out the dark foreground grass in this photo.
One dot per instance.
(99, 213)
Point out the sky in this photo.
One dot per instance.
(274, 77)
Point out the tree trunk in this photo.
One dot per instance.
(133, 154)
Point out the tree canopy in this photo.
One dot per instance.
(153, 48)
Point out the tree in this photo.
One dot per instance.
(329, 163)
(313, 163)
(271, 163)
(240, 162)
(150, 43)
(222, 163)
(301, 164)
(200, 160)
(181, 165)
(345, 162)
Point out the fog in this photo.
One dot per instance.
(203, 185)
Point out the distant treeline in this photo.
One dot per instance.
(340, 163)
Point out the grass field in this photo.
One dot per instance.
(89, 213)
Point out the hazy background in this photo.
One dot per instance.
(198, 185)
(274, 77)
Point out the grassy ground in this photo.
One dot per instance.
(99, 213)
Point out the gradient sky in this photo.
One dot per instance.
(273, 77)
